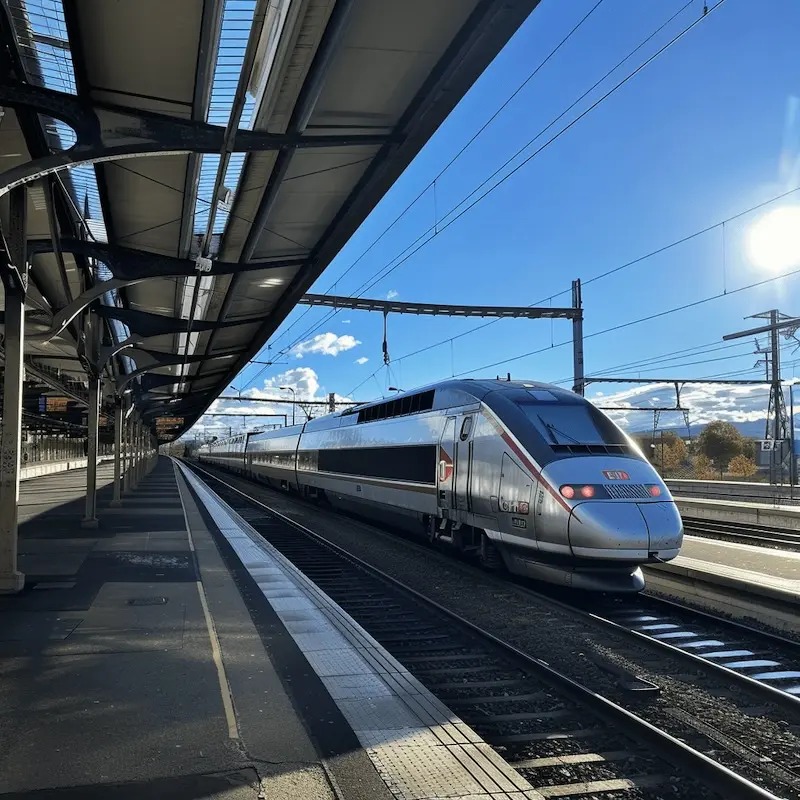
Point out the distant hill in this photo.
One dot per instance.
(752, 430)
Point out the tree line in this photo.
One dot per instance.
(719, 450)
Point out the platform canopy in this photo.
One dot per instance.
(181, 171)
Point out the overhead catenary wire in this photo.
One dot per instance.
(440, 226)
(599, 378)
(656, 315)
(463, 149)
(663, 358)
(626, 265)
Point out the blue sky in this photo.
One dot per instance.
(705, 131)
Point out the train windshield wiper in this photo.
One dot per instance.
(552, 430)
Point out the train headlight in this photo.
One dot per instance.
(583, 491)
(654, 490)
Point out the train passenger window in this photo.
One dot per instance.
(466, 428)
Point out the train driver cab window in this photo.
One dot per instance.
(466, 428)
(572, 424)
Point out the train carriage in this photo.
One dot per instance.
(520, 471)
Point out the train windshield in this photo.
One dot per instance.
(567, 424)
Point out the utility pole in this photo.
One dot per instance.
(777, 426)
(577, 340)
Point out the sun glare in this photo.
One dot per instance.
(773, 242)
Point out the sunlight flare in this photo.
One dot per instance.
(773, 242)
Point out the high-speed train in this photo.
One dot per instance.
(520, 471)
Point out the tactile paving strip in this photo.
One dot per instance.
(418, 746)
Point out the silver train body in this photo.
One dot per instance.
(522, 471)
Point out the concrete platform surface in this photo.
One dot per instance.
(760, 566)
(742, 580)
(131, 667)
(420, 748)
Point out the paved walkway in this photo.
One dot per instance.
(130, 667)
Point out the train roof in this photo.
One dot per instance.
(476, 388)
(440, 395)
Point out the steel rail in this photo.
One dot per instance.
(713, 774)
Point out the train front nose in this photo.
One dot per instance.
(637, 532)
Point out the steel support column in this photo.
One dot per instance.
(93, 424)
(579, 384)
(118, 424)
(137, 470)
(14, 275)
(134, 462)
(151, 462)
(127, 472)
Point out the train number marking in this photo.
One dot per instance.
(616, 475)
(518, 523)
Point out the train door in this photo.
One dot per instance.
(445, 467)
(463, 477)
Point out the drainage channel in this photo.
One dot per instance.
(565, 738)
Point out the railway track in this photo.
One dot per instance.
(763, 663)
(748, 534)
(567, 739)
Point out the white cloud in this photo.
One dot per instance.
(326, 344)
(306, 385)
(706, 402)
(391, 294)
(303, 380)
(362, 360)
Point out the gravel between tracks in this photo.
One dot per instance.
(724, 722)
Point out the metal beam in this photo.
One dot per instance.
(643, 408)
(139, 343)
(147, 324)
(437, 309)
(793, 322)
(130, 264)
(107, 132)
(151, 381)
(171, 360)
(240, 414)
(66, 315)
(291, 402)
(600, 379)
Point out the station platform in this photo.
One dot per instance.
(745, 581)
(171, 653)
(759, 570)
(778, 568)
